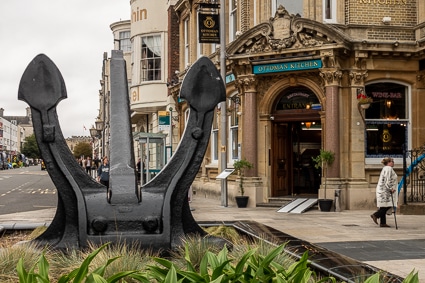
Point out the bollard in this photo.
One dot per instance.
(337, 200)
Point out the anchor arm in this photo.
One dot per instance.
(202, 88)
(42, 87)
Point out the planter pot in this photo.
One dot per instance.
(364, 105)
(241, 201)
(325, 204)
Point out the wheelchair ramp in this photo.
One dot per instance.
(298, 205)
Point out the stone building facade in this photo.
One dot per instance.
(295, 84)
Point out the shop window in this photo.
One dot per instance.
(151, 58)
(386, 120)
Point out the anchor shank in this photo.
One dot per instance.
(122, 174)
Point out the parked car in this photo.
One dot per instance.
(3, 161)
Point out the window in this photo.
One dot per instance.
(125, 43)
(186, 42)
(293, 7)
(233, 112)
(198, 44)
(386, 120)
(214, 140)
(233, 20)
(151, 58)
(329, 11)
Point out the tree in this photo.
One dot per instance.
(82, 149)
(30, 147)
(324, 160)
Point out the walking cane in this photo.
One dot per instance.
(395, 210)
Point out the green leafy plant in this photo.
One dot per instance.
(324, 160)
(78, 275)
(254, 265)
(411, 278)
(251, 267)
(240, 166)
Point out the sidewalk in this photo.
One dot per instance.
(351, 233)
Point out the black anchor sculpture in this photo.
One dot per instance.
(157, 215)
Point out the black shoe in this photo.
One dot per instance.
(374, 219)
(384, 225)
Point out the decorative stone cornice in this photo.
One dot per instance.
(246, 83)
(329, 58)
(240, 67)
(331, 76)
(357, 77)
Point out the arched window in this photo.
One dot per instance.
(298, 98)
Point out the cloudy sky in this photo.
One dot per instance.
(72, 33)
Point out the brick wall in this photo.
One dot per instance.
(370, 12)
(173, 43)
(388, 34)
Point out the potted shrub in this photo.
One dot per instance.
(240, 166)
(324, 160)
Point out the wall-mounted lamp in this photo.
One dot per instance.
(93, 132)
(388, 103)
(386, 20)
(99, 124)
(308, 124)
(396, 44)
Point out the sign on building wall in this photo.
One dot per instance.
(164, 120)
(209, 28)
(287, 66)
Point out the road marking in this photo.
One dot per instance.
(5, 177)
(43, 206)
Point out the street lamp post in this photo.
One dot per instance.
(223, 117)
(96, 133)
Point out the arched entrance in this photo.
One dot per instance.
(296, 138)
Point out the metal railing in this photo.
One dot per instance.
(413, 180)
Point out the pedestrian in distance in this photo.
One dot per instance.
(386, 192)
(139, 169)
(88, 165)
(103, 172)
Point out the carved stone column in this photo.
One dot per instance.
(332, 78)
(247, 87)
(357, 132)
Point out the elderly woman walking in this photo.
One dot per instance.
(386, 192)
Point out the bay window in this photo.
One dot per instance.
(151, 58)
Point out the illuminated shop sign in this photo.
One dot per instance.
(287, 66)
